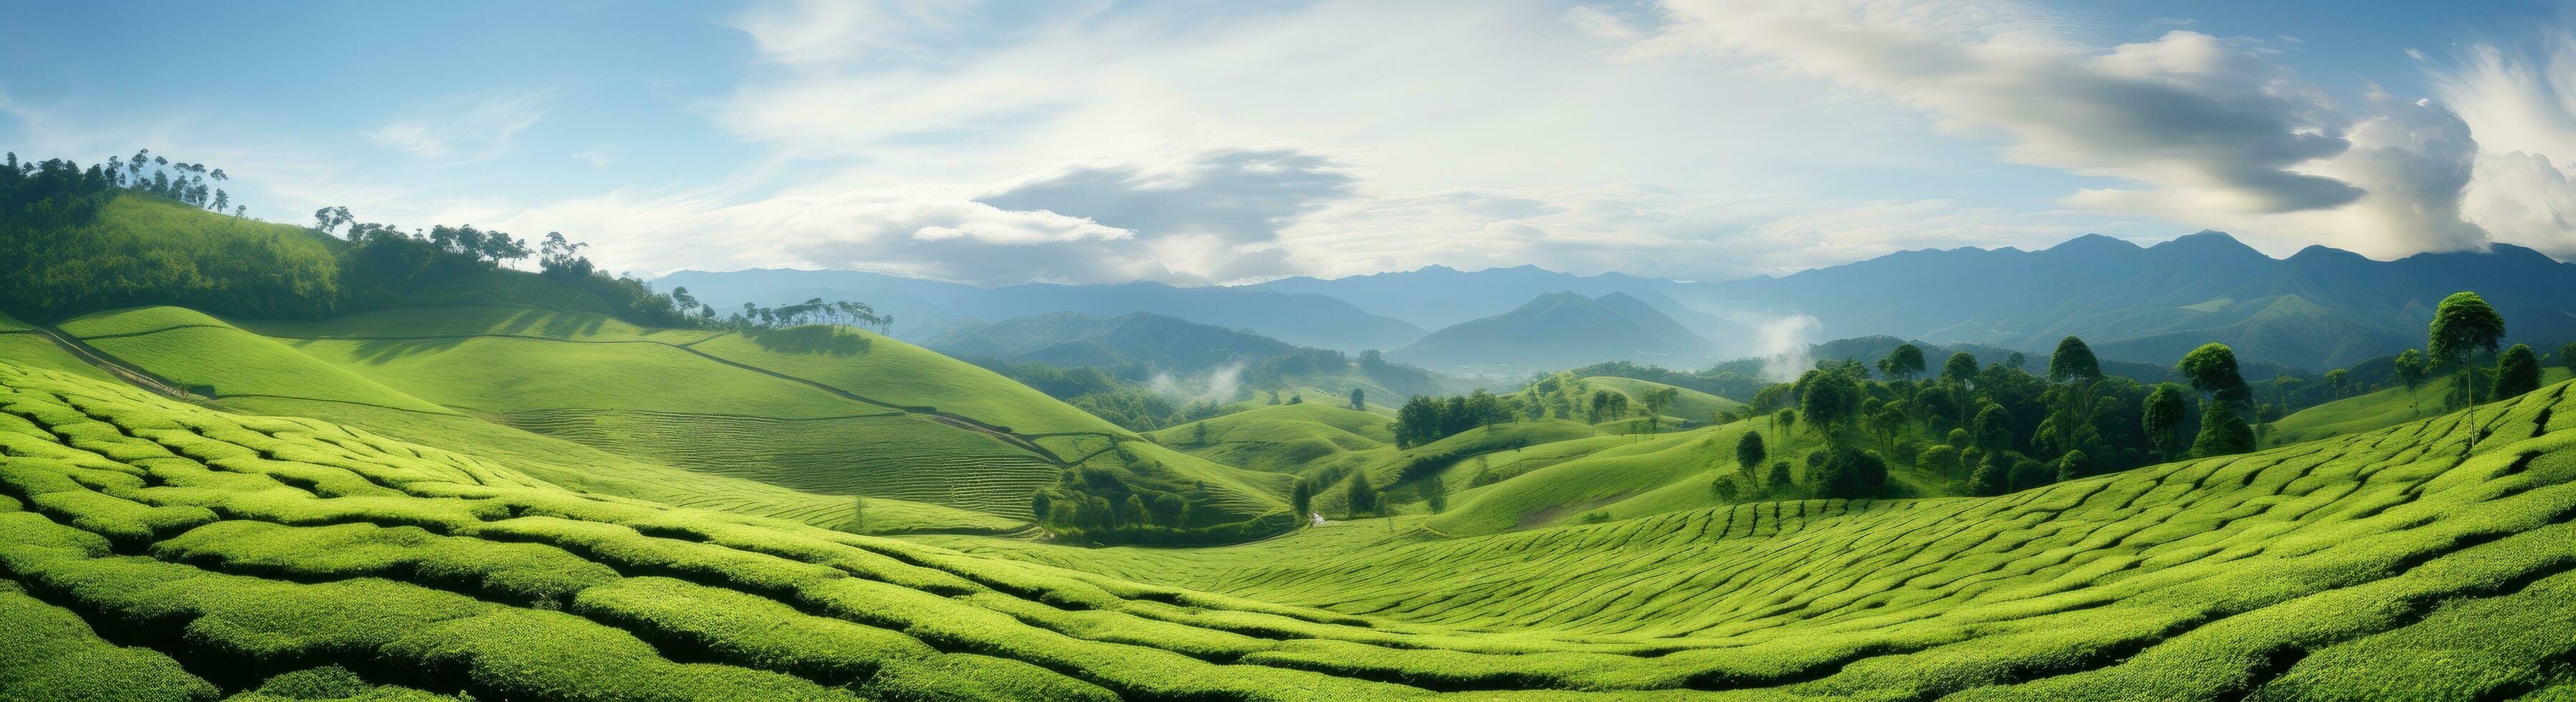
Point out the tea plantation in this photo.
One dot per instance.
(151, 549)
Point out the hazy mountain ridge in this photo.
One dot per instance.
(1560, 330)
(2321, 308)
(924, 307)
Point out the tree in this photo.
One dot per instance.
(1749, 454)
(1849, 473)
(1993, 429)
(1658, 400)
(2567, 356)
(2016, 361)
(2073, 362)
(1361, 497)
(1827, 399)
(1780, 480)
(2335, 381)
(1359, 400)
(1941, 459)
(1435, 495)
(1724, 488)
(2212, 371)
(1302, 497)
(2410, 370)
(2161, 417)
(1961, 368)
(2463, 327)
(1297, 398)
(2222, 432)
(2517, 372)
(2073, 465)
(1904, 363)
(1787, 420)
(1993, 476)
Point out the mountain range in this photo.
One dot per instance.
(2320, 308)
(1069, 339)
(922, 308)
(1560, 330)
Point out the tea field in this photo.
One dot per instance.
(151, 549)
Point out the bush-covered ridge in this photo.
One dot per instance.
(180, 553)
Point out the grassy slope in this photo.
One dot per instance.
(2383, 408)
(22, 345)
(654, 395)
(193, 349)
(2378, 565)
(1280, 438)
(1688, 404)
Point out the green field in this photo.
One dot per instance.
(2382, 408)
(156, 550)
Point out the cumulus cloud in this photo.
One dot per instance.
(2524, 117)
(2215, 130)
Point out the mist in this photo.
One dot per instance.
(1217, 385)
(1782, 344)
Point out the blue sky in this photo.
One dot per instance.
(1195, 142)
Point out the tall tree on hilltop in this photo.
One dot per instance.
(2464, 327)
(1903, 363)
(2072, 362)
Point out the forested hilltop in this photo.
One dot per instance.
(145, 230)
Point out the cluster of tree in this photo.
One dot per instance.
(60, 257)
(1424, 419)
(386, 266)
(812, 311)
(1999, 428)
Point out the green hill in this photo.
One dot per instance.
(821, 413)
(1687, 404)
(2385, 407)
(1280, 438)
(1559, 330)
(155, 550)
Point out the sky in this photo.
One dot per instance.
(1202, 143)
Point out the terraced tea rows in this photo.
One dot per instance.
(822, 412)
(179, 553)
(894, 455)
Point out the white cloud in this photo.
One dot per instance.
(2524, 118)
(463, 129)
(2210, 130)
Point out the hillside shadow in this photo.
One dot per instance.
(551, 324)
(381, 351)
(811, 338)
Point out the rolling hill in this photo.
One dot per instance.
(1558, 330)
(818, 413)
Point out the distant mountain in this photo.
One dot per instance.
(1560, 330)
(924, 307)
(2321, 308)
(1440, 296)
(1067, 339)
